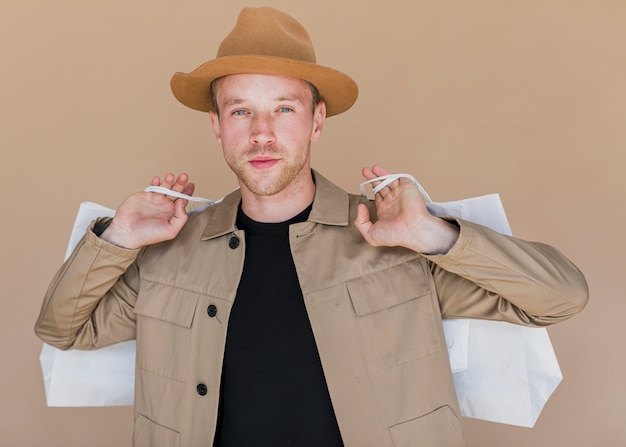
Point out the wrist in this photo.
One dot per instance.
(118, 237)
(440, 234)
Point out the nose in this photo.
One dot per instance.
(262, 131)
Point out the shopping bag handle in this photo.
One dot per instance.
(389, 178)
(180, 195)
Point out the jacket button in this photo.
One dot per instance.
(202, 389)
(211, 310)
(233, 242)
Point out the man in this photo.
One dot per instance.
(291, 313)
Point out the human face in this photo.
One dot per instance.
(265, 128)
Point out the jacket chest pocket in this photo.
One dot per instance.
(164, 318)
(396, 315)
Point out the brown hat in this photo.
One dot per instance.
(266, 41)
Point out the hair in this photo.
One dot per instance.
(315, 96)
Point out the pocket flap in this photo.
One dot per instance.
(167, 303)
(387, 288)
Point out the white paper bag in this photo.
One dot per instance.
(457, 341)
(511, 372)
(100, 378)
(104, 377)
(502, 372)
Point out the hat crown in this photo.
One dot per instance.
(268, 32)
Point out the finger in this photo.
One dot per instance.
(374, 172)
(369, 174)
(181, 182)
(178, 184)
(156, 181)
(168, 180)
(189, 189)
(180, 215)
(363, 222)
(379, 170)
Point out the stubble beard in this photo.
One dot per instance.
(268, 184)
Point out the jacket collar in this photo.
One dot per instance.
(330, 207)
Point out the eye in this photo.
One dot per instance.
(238, 112)
(285, 109)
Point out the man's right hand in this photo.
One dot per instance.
(146, 218)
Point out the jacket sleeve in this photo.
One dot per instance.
(496, 277)
(89, 303)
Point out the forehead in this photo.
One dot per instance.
(244, 85)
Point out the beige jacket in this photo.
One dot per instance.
(375, 313)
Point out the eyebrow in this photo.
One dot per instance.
(293, 98)
(236, 101)
(233, 101)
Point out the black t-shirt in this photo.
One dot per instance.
(273, 388)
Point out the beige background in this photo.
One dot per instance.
(524, 98)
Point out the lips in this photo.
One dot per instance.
(263, 162)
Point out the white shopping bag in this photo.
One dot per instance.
(100, 378)
(511, 372)
(104, 377)
(502, 372)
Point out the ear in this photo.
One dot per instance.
(215, 122)
(319, 116)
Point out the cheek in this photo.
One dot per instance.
(233, 137)
(298, 134)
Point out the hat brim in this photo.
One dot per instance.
(338, 90)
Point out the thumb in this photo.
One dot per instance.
(362, 221)
(180, 215)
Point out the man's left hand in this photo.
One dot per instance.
(403, 219)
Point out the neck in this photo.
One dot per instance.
(281, 206)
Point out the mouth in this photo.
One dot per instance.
(263, 162)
